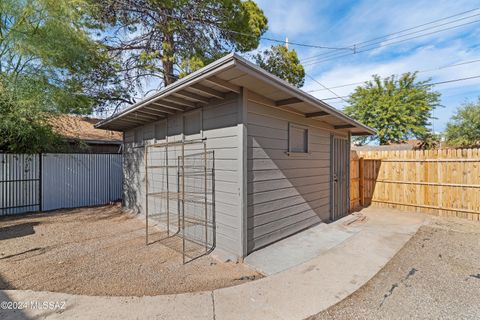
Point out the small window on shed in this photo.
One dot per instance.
(297, 138)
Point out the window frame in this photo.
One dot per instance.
(307, 137)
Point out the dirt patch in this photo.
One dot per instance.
(434, 276)
(102, 251)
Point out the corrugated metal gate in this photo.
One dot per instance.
(54, 181)
(340, 171)
(20, 187)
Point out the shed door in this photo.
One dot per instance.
(340, 177)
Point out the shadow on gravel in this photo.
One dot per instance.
(18, 230)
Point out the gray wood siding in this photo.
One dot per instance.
(219, 125)
(286, 193)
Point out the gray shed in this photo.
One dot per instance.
(278, 157)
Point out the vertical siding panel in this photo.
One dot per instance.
(77, 180)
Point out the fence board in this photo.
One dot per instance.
(439, 182)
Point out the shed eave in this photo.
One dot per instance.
(251, 68)
(128, 118)
(214, 67)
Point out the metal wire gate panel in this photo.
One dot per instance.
(180, 195)
(340, 171)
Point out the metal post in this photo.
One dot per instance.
(178, 194)
(146, 194)
(183, 200)
(40, 181)
(205, 195)
(214, 226)
(168, 190)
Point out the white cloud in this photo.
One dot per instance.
(291, 18)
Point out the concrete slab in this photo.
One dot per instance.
(301, 247)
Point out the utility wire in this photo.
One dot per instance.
(325, 87)
(421, 71)
(390, 43)
(362, 44)
(428, 84)
(262, 37)
(415, 32)
(304, 44)
(419, 26)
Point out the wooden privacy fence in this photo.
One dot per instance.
(442, 182)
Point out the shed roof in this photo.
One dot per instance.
(214, 81)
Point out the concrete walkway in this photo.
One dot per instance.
(304, 246)
(296, 293)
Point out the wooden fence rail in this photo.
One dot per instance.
(441, 182)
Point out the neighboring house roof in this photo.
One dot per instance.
(75, 127)
(230, 74)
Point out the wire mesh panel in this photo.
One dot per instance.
(340, 177)
(180, 195)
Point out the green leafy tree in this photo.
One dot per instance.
(24, 127)
(283, 63)
(463, 130)
(50, 59)
(398, 108)
(166, 39)
(49, 63)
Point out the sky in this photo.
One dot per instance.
(341, 24)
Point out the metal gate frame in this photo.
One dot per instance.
(16, 177)
(181, 195)
(339, 155)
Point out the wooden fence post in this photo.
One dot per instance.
(361, 181)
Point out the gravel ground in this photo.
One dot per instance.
(101, 251)
(436, 275)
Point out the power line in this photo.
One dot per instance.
(285, 41)
(264, 38)
(428, 84)
(419, 26)
(355, 46)
(304, 44)
(421, 71)
(325, 87)
(426, 29)
(373, 46)
(454, 80)
(391, 43)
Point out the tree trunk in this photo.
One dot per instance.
(168, 59)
